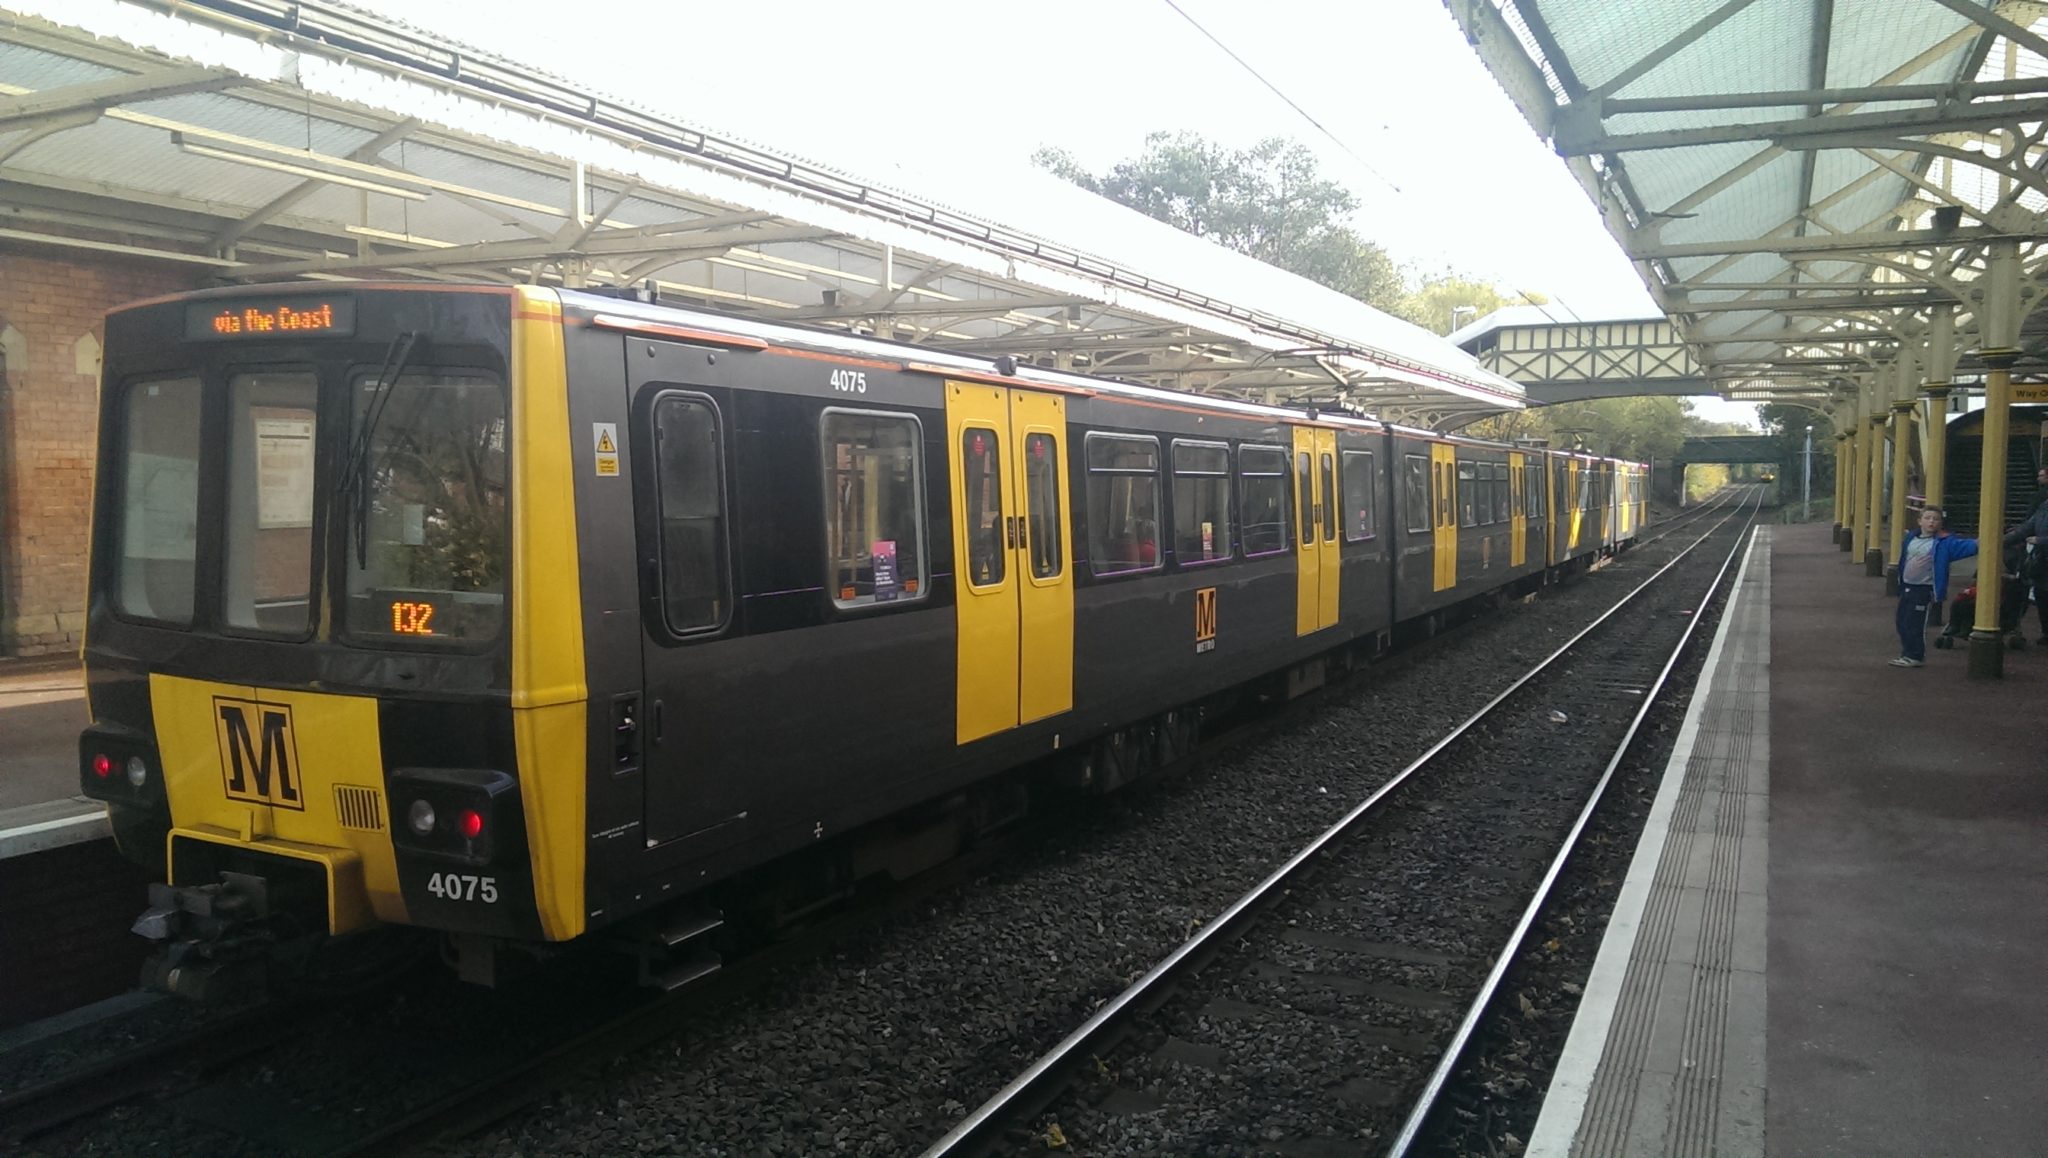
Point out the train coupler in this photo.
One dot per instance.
(216, 938)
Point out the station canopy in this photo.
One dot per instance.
(268, 140)
(1799, 182)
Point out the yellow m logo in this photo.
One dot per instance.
(259, 758)
(1205, 615)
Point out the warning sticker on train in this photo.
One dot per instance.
(605, 436)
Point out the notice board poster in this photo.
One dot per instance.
(887, 585)
(284, 466)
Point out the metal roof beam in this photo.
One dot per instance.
(1916, 300)
(1867, 94)
(101, 95)
(1980, 13)
(366, 153)
(1891, 241)
(1670, 48)
(1803, 132)
(541, 250)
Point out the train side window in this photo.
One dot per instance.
(267, 579)
(1262, 495)
(981, 484)
(1415, 493)
(1500, 492)
(1329, 498)
(1042, 497)
(874, 508)
(156, 541)
(1305, 486)
(1358, 507)
(1482, 493)
(690, 496)
(1123, 503)
(1468, 495)
(1201, 501)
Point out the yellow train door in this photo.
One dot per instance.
(1317, 564)
(1443, 487)
(1331, 563)
(1014, 596)
(1518, 509)
(1577, 499)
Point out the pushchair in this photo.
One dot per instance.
(2012, 604)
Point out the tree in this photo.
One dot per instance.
(1438, 299)
(1632, 428)
(1269, 202)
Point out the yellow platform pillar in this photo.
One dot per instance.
(1999, 330)
(1859, 459)
(1873, 555)
(1845, 469)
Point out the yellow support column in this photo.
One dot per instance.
(1844, 472)
(1999, 329)
(1859, 458)
(1873, 555)
(1902, 432)
(1941, 366)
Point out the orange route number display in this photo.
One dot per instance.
(410, 618)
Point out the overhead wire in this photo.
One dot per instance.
(1290, 102)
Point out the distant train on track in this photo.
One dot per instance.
(525, 615)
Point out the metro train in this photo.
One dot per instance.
(529, 615)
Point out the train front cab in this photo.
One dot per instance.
(329, 684)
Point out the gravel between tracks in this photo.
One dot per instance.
(882, 1044)
(880, 1048)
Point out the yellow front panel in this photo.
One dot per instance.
(985, 613)
(1443, 489)
(1045, 603)
(1308, 534)
(1330, 534)
(265, 768)
(1518, 507)
(548, 690)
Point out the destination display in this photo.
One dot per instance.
(325, 316)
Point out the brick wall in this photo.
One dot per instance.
(51, 312)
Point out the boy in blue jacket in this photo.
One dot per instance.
(1923, 576)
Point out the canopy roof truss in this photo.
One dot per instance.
(1801, 183)
(267, 140)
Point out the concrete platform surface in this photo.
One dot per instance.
(42, 710)
(1834, 939)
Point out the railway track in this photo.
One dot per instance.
(1324, 1009)
(492, 1088)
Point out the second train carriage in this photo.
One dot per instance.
(519, 614)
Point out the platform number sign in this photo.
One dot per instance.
(1205, 620)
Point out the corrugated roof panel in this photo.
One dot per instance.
(1664, 177)
(1873, 39)
(226, 112)
(1601, 39)
(1762, 48)
(33, 69)
(1771, 193)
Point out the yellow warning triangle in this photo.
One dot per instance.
(604, 443)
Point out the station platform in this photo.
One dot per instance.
(42, 711)
(1832, 937)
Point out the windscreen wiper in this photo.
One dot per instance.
(397, 356)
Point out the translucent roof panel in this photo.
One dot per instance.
(1791, 155)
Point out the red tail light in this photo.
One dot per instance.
(102, 765)
(470, 823)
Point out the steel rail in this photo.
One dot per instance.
(970, 1130)
(1426, 1104)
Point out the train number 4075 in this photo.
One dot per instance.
(463, 887)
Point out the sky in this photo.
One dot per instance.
(1447, 173)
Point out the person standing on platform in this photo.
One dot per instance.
(2032, 537)
(1923, 578)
